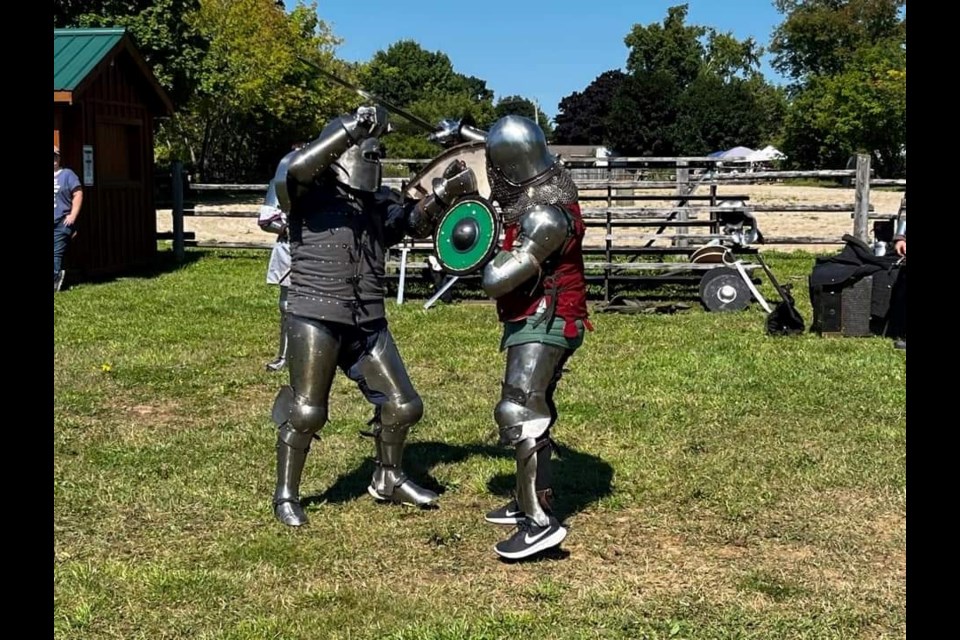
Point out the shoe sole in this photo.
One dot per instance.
(541, 545)
(506, 520)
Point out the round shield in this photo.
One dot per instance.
(466, 237)
(712, 254)
(473, 154)
(723, 289)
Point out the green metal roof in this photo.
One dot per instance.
(77, 51)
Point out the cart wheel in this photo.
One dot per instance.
(722, 289)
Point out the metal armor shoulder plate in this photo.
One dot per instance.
(277, 193)
(547, 225)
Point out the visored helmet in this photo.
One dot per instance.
(359, 166)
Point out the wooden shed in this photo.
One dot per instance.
(105, 101)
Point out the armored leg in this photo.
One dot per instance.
(300, 410)
(383, 378)
(281, 360)
(525, 415)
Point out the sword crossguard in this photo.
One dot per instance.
(373, 120)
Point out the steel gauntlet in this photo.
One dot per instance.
(365, 122)
(458, 180)
(453, 132)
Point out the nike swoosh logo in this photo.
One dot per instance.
(509, 513)
(528, 539)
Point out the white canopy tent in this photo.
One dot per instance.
(737, 153)
(767, 154)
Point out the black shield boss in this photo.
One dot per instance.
(466, 236)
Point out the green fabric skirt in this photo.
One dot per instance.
(524, 331)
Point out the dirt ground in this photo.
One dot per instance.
(773, 224)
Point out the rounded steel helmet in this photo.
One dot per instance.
(517, 150)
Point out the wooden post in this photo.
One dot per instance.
(861, 202)
(683, 189)
(177, 181)
(714, 216)
(609, 239)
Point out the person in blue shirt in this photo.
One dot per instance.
(67, 200)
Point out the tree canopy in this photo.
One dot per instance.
(406, 72)
(820, 37)
(242, 94)
(848, 62)
(582, 116)
(168, 42)
(690, 90)
(520, 106)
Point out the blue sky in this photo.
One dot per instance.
(539, 50)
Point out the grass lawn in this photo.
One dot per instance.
(718, 483)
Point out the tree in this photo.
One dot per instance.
(168, 43)
(251, 78)
(716, 101)
(425, 84)
(477, 89)
(520, 106)
(863, 109)
(410, 141)
(406, 73)
(240, 95)
(848, 61)
(643, 115)
(819, 37)
(672, 47)
(714, 115)
(728, 58)
(771, 109)
(582, 116)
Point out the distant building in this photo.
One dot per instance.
(580, 151)
(105, 101)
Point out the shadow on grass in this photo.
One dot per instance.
(579, 479)
(165, 263)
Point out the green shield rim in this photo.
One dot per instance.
(460, 262)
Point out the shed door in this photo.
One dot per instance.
(119, 176)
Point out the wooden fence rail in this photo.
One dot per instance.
(635, 207)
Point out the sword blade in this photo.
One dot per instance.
(442, 290)
(746, 279)
(366, 95)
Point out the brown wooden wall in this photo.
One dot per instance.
(117, 227)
